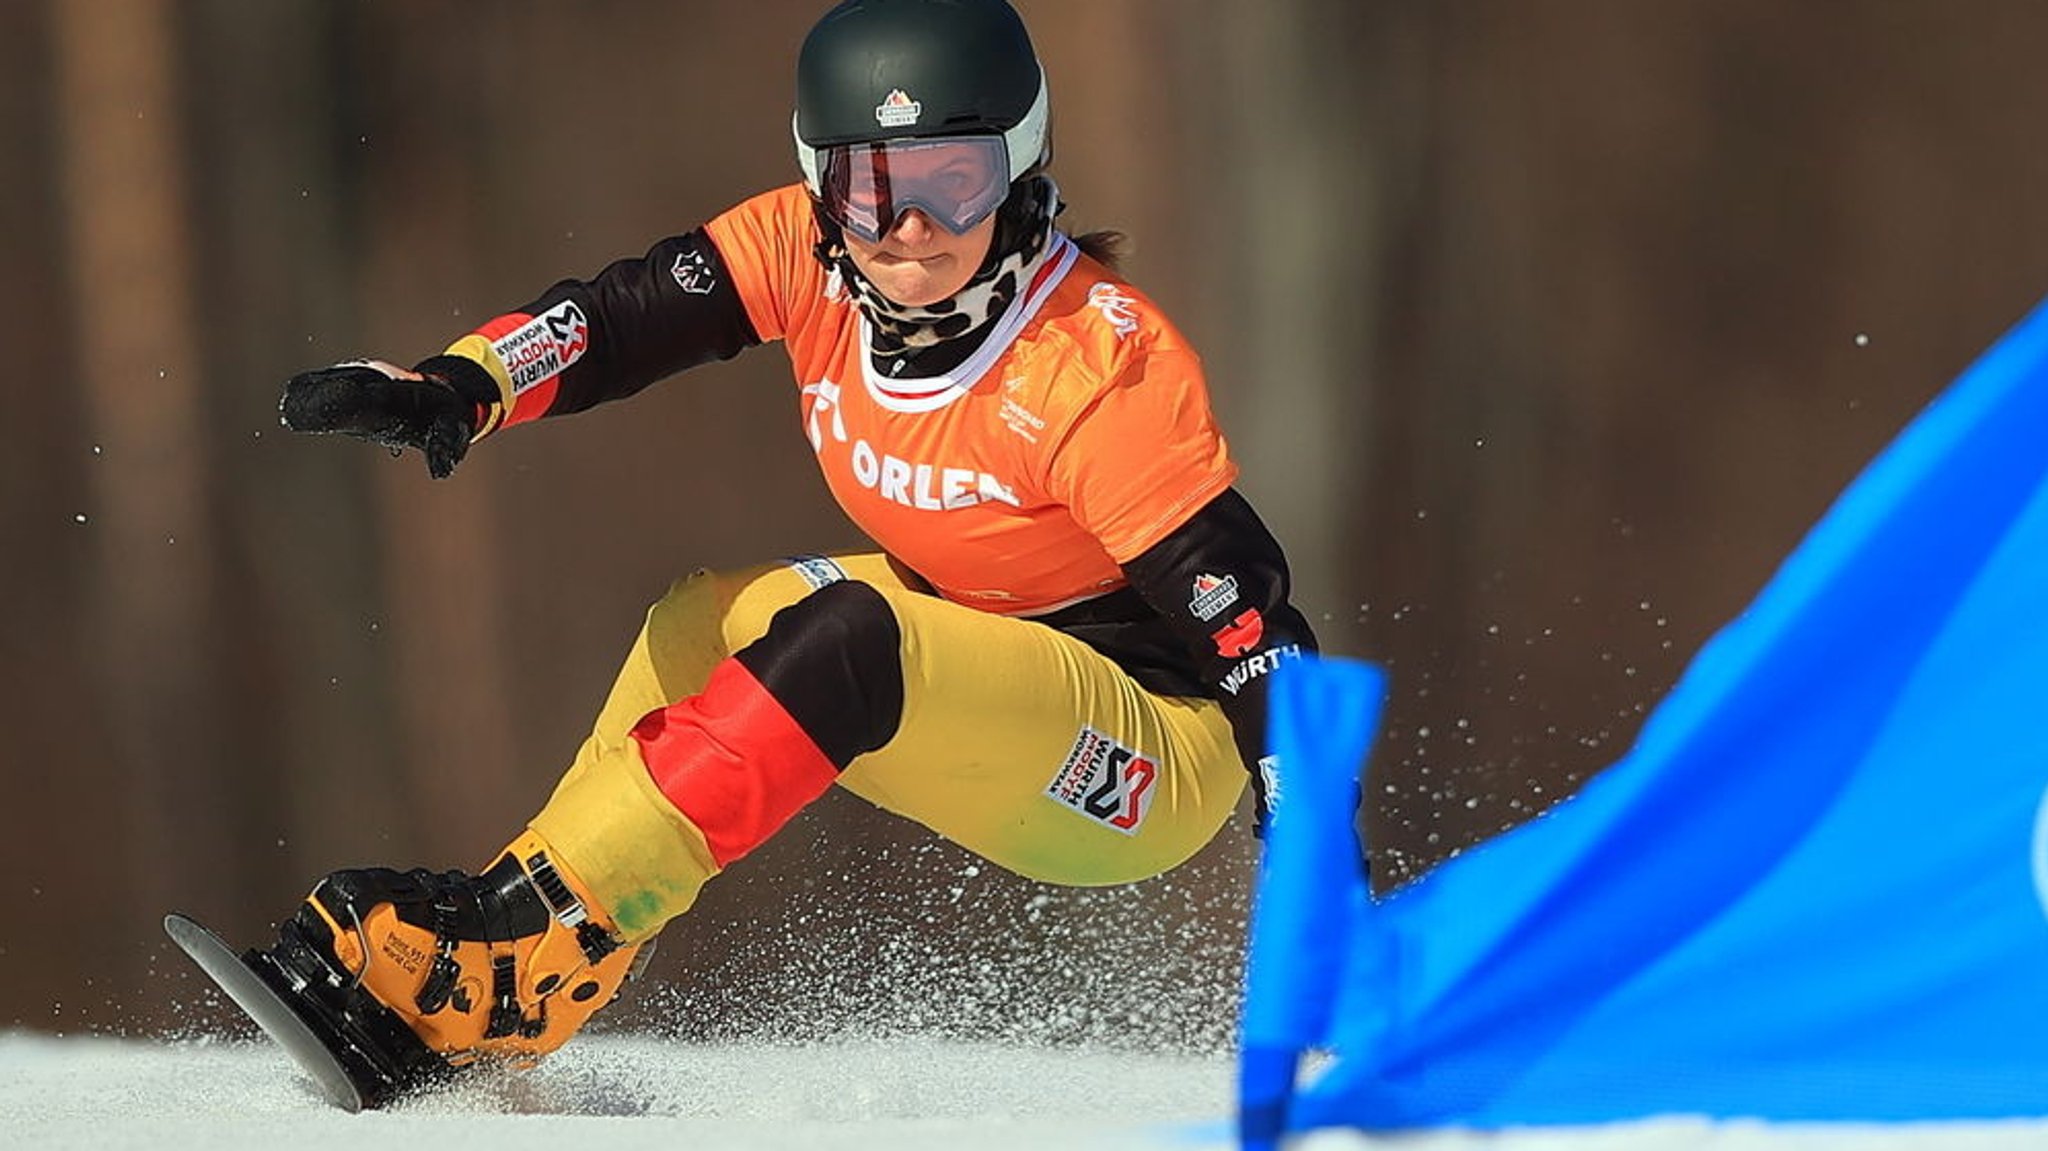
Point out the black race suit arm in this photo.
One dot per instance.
(1221, 581)
(584, 342)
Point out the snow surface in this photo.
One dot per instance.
(623, 1093)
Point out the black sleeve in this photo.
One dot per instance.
(1221, 580)
(646, 318)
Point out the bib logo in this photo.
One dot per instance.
(1106, 781)
(925, 487)
(1120, 310)
(824, 397)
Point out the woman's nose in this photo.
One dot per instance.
(912, 227)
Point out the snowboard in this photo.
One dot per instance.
(264, 990)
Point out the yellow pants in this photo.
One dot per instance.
(1017, 742)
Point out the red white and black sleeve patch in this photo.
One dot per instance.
(586, 342)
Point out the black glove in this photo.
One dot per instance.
(433, 409)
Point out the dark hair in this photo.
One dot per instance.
(1105, 247)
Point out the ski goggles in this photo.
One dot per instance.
(958, 181)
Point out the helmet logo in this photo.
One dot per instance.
(898, 110)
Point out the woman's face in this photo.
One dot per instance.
(917, 263)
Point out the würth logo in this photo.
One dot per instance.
(543, 347)
(1106, 781)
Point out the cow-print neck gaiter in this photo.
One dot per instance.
(912, 342)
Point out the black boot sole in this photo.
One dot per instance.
(357, 1052)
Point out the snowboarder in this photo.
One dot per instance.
(1057, 660)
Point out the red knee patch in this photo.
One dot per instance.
(733, 760)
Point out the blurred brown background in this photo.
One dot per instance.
(1543, 331)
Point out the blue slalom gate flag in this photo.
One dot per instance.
(1312, 881)
(1815, 889)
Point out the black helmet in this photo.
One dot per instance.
(875, 70)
